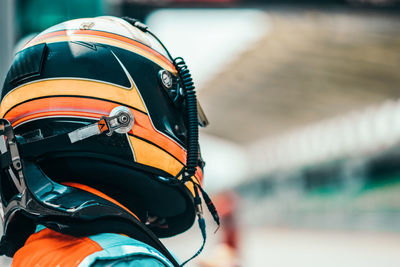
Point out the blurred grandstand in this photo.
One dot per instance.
(304, 103)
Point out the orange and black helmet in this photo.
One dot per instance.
(98, 102)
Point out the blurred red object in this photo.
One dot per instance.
(226, 253)
(226, 205)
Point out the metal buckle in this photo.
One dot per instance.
(7, 131)
(9, 145)
(121, 121)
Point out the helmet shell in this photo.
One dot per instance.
(74, 73)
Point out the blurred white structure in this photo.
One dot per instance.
(187, 33)
(364, 132)
(226, 163)
(7, 32)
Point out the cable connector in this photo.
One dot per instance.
(141, 26)
(201, 222)
(210, 206)
(197, 203)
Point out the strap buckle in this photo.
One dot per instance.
(9, 143)
(9, 148)
(121, 121)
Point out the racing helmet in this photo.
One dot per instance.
(98, 102)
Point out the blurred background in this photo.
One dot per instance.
(303, 149)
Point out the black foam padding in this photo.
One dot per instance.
(134, 189)
(27, 63)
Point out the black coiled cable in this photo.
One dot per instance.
(192, 119)
(192, 149)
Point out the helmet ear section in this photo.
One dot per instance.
(172, 87)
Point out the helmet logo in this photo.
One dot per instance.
(86, 25)
(102, 125)
(165, 78)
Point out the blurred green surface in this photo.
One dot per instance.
(37, 15)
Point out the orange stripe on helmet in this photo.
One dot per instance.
(150, 155)
(40, 115)
(59, 104)
(72, 87)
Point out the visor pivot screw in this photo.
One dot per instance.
(124, 119)
(18, 165)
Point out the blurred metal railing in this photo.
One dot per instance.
(7, 33)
